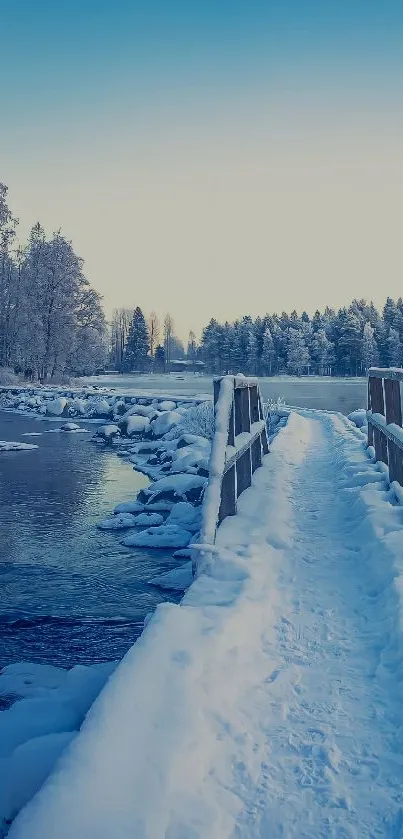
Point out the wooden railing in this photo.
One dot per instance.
(239, 443)
(384, 415)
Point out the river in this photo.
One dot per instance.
(69, 592)
(319, 392)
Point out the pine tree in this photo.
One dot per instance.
(394, 349)
(321, 351)
(159, 358)
(297, 352)
(137, 345)
(349, 345)
(369, 347)
(268, 352)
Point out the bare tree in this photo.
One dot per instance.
(153, 332)
(168, 335)
(192, 349)
(120, 325)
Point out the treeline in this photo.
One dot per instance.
(51, 320)
(345, 342)
(137, 343)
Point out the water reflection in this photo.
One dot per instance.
(68, 592)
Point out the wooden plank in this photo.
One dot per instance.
(393, 405)
(216, 389)
(238, 410)
(231, 427)
(254, 404)
(243, 472)
(381, 445)
(228, 495)
(376, 396)
(245, 409)
(265, 442)
(256, 450)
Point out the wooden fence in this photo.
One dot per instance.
(239, 443)
(384, 415)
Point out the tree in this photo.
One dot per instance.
(154, 332)
(168, 334)
(137, 345)
(321, 351)
(159, 358)
(369, 347)
(268, 352)
(394, 349)
(192, 349)
(120, 325)
(350, 343)
(297, 352)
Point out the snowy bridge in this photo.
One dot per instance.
(268, 703)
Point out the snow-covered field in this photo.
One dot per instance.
(268, 703)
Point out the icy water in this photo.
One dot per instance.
(69, 592)
(321, 393)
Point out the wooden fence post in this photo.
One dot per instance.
(378, 407)
(393, 410)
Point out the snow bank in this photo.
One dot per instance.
(36, 730)
(359, 417)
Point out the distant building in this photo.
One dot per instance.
(184, 365)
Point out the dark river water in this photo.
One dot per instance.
(69, 592)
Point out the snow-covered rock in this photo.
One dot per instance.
(137, 425)
(71, 426)
(129, 507)
(25, 678)
(57, 407)
(119, 522)
(175, 488)
(167, 405)
(8, 446)
(101, 408)
(178, 579)
(164, 423)
(108, 432)
(186, 516)
(165, 536)
(148, 519)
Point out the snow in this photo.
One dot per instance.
(107, 432)
(24, 678)
(8, 446)
(268, 703)
(178, 579)
(165, 536)
(359, 417)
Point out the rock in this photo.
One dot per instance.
(178, 579)
(164, 423)
(108, 432)
(58, 407)
(101, 408)
(166, 536)
(70, 426)
(119, 409)
(167, 405)
(136, 425)
(119, 522)
(149, 520)
(186, 516)
(175, 488)
(129, 507)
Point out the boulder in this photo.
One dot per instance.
(165, 423)
(58, 407)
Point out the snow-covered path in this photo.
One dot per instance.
(268, 705)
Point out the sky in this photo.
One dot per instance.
(211, 159)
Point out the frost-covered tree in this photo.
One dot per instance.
(297, 352)
(394, 349)
(159, 358)
(268, 353)
(137, 345)
(321, 351)
(120, 325)
(168, 335)
(369, 347)
(154, 332)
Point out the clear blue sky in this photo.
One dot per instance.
(228, 146)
